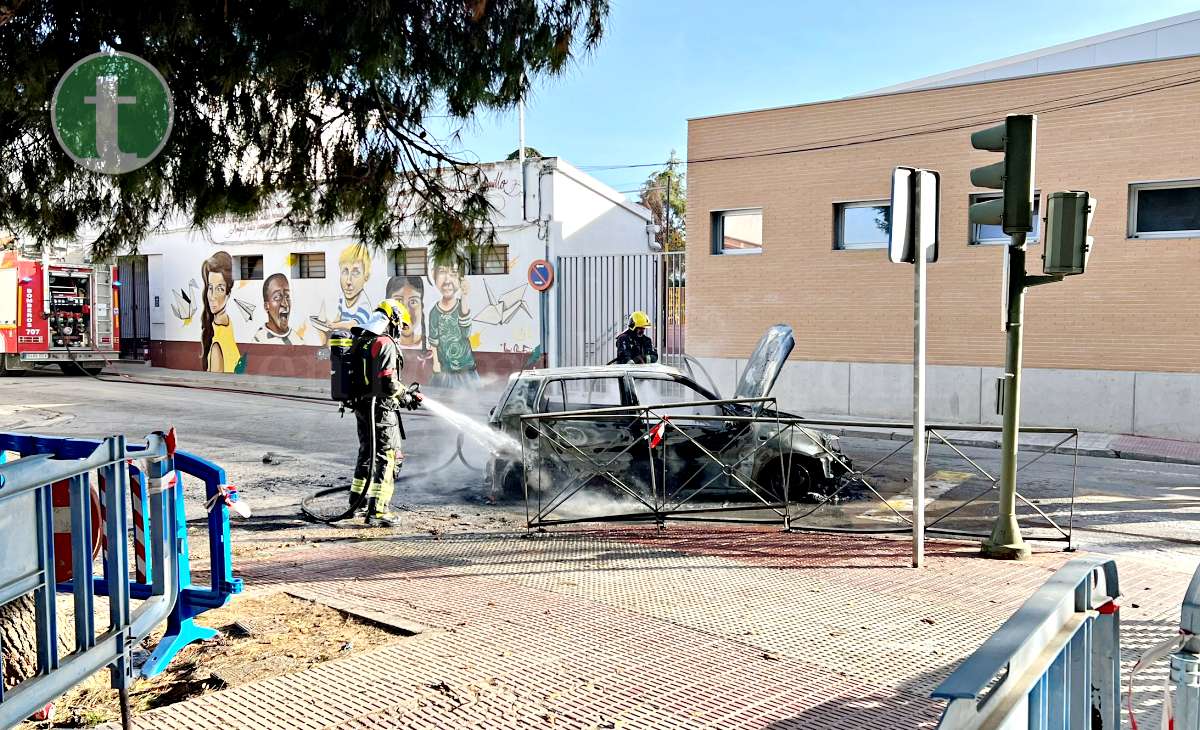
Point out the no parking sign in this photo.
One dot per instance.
(541, 275)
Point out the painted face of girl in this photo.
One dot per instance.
(217, 292)
(411, 299)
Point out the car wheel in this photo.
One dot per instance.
(802, 477)
(509, 482)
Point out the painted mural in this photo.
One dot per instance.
(354, 271)
(456, 317)
(450, 327)
(277, 304)
(219, 350)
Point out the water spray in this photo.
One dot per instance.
(495, 442)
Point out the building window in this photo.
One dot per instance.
(1165, 209)
(861, 225)
(737, 231)
(250, 267)
(983, 235)
(490, 260)
(410, 262)
(310, 266)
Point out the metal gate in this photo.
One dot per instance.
(597, 293)
(134, 307)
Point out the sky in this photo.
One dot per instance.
(662, 62)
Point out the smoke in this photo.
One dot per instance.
(552, 478)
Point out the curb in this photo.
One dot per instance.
(1102, 453)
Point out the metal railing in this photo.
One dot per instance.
(702, 460)
(28, 566)
(957, 511)
(651, 462)
(1054, 664)
(159, 529)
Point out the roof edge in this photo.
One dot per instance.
(926, 81)
(924, 89)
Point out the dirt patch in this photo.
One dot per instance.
(261, 636)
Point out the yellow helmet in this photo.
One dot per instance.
(395, 311)
(639, 319)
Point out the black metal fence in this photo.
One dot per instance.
(740, 460)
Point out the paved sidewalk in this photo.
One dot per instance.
(725, 627)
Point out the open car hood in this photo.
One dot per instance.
(764, 366)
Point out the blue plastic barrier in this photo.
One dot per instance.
(166, 589)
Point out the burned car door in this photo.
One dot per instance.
(691, 440)
(587, 446)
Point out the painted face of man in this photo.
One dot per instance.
(217, 292)
(279, 305)
(353, 279)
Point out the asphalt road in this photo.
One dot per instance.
(1118, 504)
(279, 450)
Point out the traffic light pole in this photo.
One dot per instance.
(1006, 542)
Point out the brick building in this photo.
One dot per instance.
(1116, 349)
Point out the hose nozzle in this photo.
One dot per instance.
(412, 395)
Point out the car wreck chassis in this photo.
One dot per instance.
(650, 463)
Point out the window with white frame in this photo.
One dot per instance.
(410, 262)
(737, 231)
(985, 235)
(249, 267)
(309, 266)
(861, 225)
(490, 260)
(1165, 209)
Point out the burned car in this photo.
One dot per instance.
(714, 447)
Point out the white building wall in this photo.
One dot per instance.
(503, 313)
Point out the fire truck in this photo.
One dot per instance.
(62, 314)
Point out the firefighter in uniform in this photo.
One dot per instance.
(377, 414)
(633, 346)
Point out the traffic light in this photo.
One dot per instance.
(1016, 138)
(1068, 217)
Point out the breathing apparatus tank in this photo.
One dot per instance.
(343, 360)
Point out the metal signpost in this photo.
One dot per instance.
(912, 238)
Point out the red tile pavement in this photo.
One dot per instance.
(688, 628)
(1133, 447)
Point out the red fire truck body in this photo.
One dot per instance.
(57, 313)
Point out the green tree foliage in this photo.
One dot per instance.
(672, 210)
(530, 152)
(317, 106)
